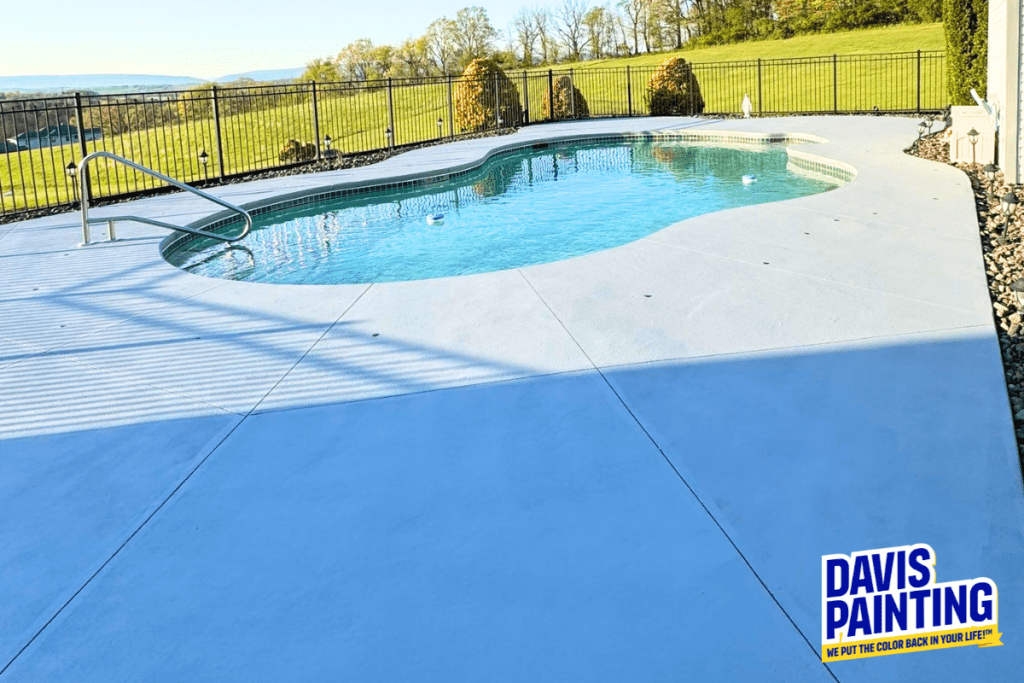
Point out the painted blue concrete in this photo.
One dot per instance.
(523, 531)
(68, 501)
(833, 451)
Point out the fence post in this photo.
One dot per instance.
(316, 121)
(526, 98)
(81, 143)
(835, 86)
(216, 132)
(760, 106)
(551, 95)
(918, 81)
(451, 109)
(497, 104)
(572, 93)
(629, 92)
(391, 112)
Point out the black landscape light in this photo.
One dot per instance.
(921, 127)
(1008, 204)
(440, 124)
(71, 171)
(204, 159)
(1017, 287)
(972, 136)
(928, 123)
(390, 135)
(327, 143)
(990, 171)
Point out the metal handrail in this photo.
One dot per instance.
(83, 179)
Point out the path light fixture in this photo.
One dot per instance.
(71, 171)
(329, 154)
(1017, 287)
(500, 122)
(1008, 204)
(921, 127)
(972, 136)
(928, 123)
(990, 171)
(204, 159)
(440, 124)
(390, 135)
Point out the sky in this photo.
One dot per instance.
(208, 38)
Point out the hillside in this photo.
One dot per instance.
(907, 38)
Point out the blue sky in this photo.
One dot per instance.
(207, 38)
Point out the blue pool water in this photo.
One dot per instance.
(529, 207)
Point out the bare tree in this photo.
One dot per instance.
(525, 33)
(633, 19)
(570, 28)
(474, 34)
(442, 48)
(543, 21)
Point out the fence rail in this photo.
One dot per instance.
(210, 134)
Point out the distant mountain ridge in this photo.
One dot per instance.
(57, 83)
(264, 75)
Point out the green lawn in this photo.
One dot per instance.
(356, 118)
(863, 41)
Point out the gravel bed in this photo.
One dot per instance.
(1003, 247)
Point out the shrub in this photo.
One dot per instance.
(965, 23)
(569, 101)
(673, 90)
(295, 151)
(484, 91)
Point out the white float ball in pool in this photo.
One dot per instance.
(749, 179)
(435, 218)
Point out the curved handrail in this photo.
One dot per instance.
(167, 179)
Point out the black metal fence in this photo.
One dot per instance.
(210, 134)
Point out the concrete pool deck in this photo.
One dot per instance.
(622, 466)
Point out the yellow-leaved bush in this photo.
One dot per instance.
(569, 101)
(673, 90)
(482, 95)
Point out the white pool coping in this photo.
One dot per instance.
(779, 356)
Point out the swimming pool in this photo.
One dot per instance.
(522, 208)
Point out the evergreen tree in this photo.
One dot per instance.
(966, 26)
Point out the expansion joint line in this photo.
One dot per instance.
(681, 478)
(177, 488)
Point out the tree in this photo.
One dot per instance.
(543, 20)
(600, 28)
(442, 47)
(525, 33)
(354, 61)
(633, 19)
(570, 27)
(474, 35)
(966, 26)
(321, 71)
(412, 59)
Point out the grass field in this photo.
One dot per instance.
(907, 38)
(356, 117)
